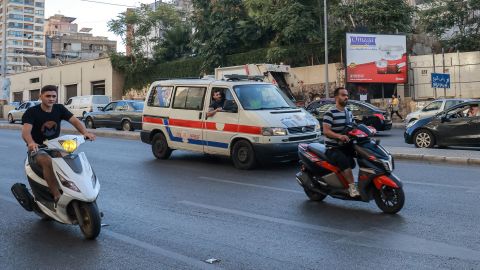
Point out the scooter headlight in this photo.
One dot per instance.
(69, 145)
(68, 184)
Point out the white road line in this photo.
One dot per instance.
(250, 185)
(196, 264)
(373, 238)
(436, 185)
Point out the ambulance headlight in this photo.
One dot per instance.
(274, 131)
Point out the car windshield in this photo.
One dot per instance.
(138, 106)
(262, 97)
(100, 100)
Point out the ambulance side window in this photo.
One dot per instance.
(189, 98)
(229, 105)
(160, 96)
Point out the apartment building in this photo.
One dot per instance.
(21, 37)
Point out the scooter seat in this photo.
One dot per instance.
(319, 150)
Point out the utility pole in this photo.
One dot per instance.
(325, 22)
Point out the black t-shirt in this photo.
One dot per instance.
(46, 125)
(217, 104)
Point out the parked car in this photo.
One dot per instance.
(122, 115)
(434, 107)
(17, 113)
(363, 112)
(448, 128)
(80, 105)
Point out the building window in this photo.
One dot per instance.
(39, 44)
(35, 80)
(28, 11)
(34, 94)
(98, 87)
(29, 2)
(15, 25)
(39, 28)
(16, 17)
(39, 20)
(18, 96)
(39, 12)
(15, 34)
(28, 19)
(16, 1)
(28, 27)
(39, 4)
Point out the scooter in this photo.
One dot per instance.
(78, 184)
(320, 178)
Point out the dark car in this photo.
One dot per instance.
(453, 127)
(122, 115)
(364, 113)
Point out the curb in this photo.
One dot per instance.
(402, 156)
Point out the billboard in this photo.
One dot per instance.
(373, 58)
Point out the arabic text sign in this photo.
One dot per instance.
(440, 80)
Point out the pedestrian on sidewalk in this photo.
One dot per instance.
(394, 106)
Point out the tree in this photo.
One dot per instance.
(455, 23)
(135, 27)
(221, 29)
(372, 16)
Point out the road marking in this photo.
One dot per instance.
(249, 185)
(436, 185)
(373, 238)
(196, 264)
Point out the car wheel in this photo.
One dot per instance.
(243, 156)
(160, 147)
(89, 123)
(10, 119)
(424, 139)
(126, 125)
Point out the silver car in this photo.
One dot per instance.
(16, 115)
(434, 107)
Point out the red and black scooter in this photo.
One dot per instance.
(319, 178)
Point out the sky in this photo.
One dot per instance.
(93, 15)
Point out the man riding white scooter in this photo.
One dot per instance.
(42, 122)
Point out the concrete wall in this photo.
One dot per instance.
(464, 70)
(80, 73)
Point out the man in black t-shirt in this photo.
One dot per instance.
(217, 103)
(42, 122)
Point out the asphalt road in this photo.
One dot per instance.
(175, 214)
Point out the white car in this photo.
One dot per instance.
(17, 113)
(80, 105)
(434, 107)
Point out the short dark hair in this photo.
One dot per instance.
(48, 88)
(337, 91)
(222, 94)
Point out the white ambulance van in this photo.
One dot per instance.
(257, 122)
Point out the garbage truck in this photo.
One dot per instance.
(279, 75)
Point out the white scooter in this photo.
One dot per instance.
(78, 184)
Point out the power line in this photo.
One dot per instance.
(106, 3)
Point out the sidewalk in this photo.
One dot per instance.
(452, 156)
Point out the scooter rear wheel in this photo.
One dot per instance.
(314, 196)
(389, 200)
(91, 220)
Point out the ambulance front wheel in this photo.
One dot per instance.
(243, 156)
(160, 147)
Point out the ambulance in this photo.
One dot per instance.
(257, 122)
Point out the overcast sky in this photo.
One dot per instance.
(92, 15)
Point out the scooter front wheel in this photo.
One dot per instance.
(91, 221)
(389, 200)
(314, 196)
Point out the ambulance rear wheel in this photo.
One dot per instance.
(243, 156)
(160, 147)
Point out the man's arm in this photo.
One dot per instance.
(328, 132)
(81, 128)
(27, 137)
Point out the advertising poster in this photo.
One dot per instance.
(375, 58)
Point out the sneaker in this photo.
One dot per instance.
(352, 189)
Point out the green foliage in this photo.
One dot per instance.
(455, 23)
